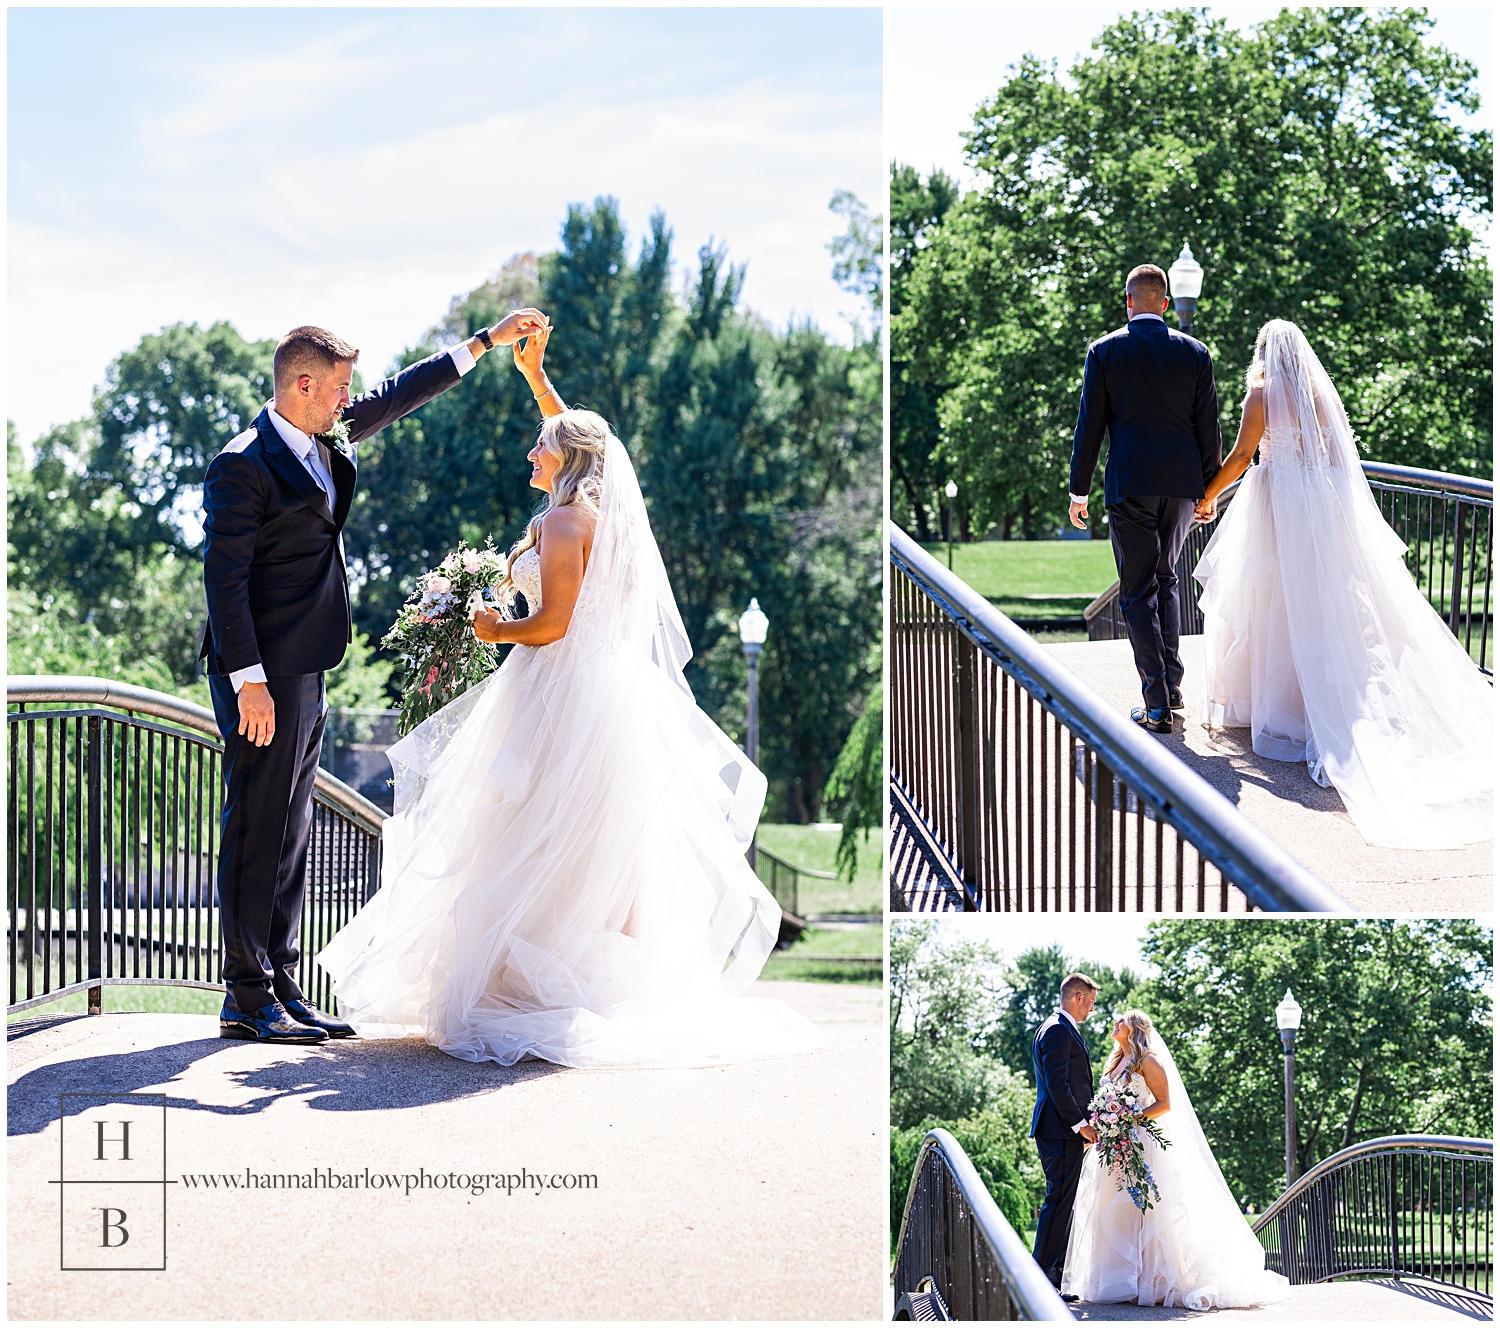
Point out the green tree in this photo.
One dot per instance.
(856, 788)
(917, 376)
(1031, 992)
(1315, 167)
(1396, 1033)
(97, 582)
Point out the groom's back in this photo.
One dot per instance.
(1152, 389)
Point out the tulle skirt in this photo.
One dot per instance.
(1193, 1249)
(569, 882)
(1317, 639)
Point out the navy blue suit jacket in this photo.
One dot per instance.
(273, 569)
(1064, 1079)
(1152, 389)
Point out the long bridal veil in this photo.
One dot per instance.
(565, 874)
(1193, 1248)
(1318, 640)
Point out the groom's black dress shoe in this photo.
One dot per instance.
(1067, 1297)
(1154, 721)
(313, 1017)
(270, 1023)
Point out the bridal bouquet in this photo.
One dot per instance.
(442, 656)
(1115, 1111)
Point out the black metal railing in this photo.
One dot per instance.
(780, 878)
(112, 834)
(1036, 793)
(1406, 1206)
(955, 1241)
(1446, 522)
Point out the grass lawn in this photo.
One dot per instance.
(813, 849)
(800, 962)
(1003, 569)
(149, 1000)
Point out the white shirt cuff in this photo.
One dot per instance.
(1079, 498)
(463, 358)
(255, 673)
(1077, 1128)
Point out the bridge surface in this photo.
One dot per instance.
(1380, 1300)
(1281, 798)
(742, 1191)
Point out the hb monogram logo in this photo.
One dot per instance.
(114, 1181)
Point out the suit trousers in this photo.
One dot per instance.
(1148, 535)
(1062, 1164)
(267, 822)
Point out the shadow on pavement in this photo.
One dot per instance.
(1450, 1298)
(389, 1074)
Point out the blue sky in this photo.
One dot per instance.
(359, 167)
(943, 62)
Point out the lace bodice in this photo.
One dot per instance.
(526, 576)
(1137, 1083)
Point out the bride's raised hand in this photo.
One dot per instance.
(529, 354)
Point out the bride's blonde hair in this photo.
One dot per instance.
(577, 439)
(1255, 375)
(1138, 1039)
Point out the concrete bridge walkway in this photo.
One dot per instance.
(1282, 799)
(741, 1191)
(1381, 1300)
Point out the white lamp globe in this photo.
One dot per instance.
(753, 625)
(1289, 1013)
(1186, 276)
(951, 489)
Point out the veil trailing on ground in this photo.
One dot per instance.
(565, 873)
(1317, 639)
(1193, 1248)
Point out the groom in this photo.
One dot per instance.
(1059, 1122)
(275, 501)
(1153, 389)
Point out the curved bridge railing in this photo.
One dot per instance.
(1020, 788)
(1412, 1206)
(956, 1244)
(112, 835)
(1446, 522)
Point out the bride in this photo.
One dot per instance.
(1193, 1247)
(1315, 635)
(564, 876)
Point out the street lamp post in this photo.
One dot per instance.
(951, 489)
(753, 627)
(1289, 1020)
(1187, 282)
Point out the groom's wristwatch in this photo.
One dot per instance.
(484, 336)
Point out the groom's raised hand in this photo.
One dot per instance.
(521, 323)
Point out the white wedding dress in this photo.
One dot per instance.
(1193, 1248)
(1318, 640)
(565, 874)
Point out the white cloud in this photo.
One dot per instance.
(374, 242)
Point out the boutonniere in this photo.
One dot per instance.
(338, 438)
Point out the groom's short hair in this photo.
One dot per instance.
(1076, 982)
(1148, 283)
(309, 350)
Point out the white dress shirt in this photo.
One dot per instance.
(308, 451)
(1075, 498)
(1064, 1013)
